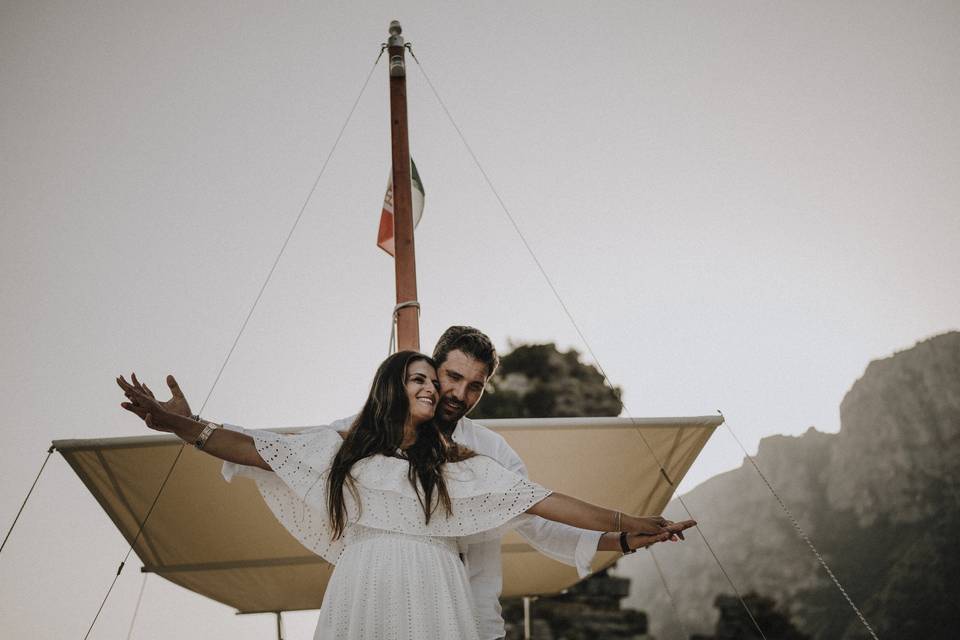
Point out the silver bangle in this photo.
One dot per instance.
(208, 429)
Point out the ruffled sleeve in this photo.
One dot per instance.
(487, 499)
(295, 491)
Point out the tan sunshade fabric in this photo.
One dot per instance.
(219, 539)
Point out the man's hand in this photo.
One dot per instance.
(653, 525)
(643, 540)
(648, 524)
(670, 531)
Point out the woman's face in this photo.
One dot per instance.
(421, 386)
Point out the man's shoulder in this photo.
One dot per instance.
(343, 424)
(488, 442)
(475, 429)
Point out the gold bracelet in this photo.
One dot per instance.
(619, 525)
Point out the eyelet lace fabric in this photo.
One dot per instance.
(397, 576)
(397, 586)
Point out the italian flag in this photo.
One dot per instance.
(385, 233)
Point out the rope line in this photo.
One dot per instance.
(574, 323)
(666, 588)
(303, 208)
(723, 570)
(243, 326)
(393, 323)
(803, 535)
(136, 609)
(135, 540)
(35, 480)
(510, 217)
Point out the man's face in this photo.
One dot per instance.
(462, 379)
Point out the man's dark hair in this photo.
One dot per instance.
(472, 342)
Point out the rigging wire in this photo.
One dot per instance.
(123, 562)
(576, 327)
(303, 208)
(801, 532)
(723, 569)
(136, 609)
(35, 480)
(243, 326)
(393, 323)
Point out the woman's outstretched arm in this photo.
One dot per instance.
(225, 444)
(577, 513)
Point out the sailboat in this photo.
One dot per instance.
(220, 540)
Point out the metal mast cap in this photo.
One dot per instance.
(396, 40)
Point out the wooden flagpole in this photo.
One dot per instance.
(405, 264)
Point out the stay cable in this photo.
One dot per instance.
(243, 326)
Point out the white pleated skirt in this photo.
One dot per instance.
(395, 586)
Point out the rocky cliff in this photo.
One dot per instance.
(880, 500)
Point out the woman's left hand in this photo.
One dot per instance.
(143, 404)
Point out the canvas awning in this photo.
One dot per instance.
(220, 540)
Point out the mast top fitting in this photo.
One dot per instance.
(395, 40)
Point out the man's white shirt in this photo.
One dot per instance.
(566, 544)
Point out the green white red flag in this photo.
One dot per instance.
(385, 233)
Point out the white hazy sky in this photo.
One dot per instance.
(742, 204)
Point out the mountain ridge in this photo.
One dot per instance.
(867, 497)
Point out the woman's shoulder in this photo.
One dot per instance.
(315, 446)
(316, 436)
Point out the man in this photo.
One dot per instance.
(466, 360)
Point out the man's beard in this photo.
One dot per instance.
(455, 412)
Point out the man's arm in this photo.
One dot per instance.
(569, 545)
(556, 540)
(343, 424)
(565, 543)
(561, 542)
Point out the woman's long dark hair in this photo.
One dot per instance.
(379, 430)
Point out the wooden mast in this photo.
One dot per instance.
(405, 264)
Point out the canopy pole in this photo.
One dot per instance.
(405, 264)
(136, 609)
(666, 589)
(526, 618)
(279, 625)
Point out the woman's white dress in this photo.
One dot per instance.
(396, 576)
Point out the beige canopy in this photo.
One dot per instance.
(219, 539)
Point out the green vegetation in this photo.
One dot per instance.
(539, 381)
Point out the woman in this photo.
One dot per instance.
(391, 503)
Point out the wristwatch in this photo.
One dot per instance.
(208, 429)
(624, 547)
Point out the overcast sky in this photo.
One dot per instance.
(741, 203)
